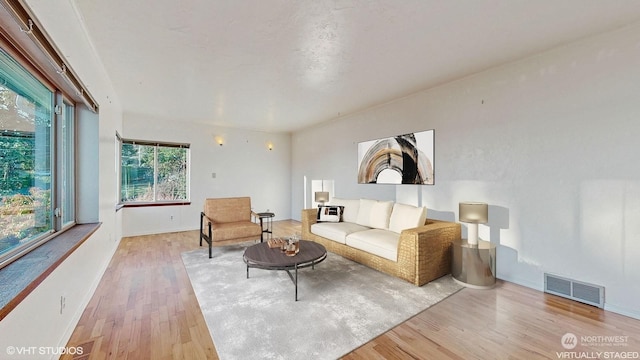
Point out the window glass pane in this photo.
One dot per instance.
(172, 173)
(138, 165)
(68, 178)
(153, 172)
(26, 211)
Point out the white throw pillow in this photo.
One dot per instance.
(364, 212)
(350, 208)
(374, 214)
(406, 217)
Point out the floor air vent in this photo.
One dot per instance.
(574, 290)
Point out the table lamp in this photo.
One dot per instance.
(473, 213)
(322, 196)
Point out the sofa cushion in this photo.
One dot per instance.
(350, 208)
(406, 217)
(336, 231)
(329, 213)
(374, 214)
(383, 243)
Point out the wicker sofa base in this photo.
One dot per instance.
(423, 252)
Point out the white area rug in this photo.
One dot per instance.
(341, 305)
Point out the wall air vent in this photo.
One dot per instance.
(574, 290)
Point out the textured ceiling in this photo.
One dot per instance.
(278, 65)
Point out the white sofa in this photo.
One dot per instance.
(391, 237)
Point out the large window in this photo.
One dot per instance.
(153, 172)
(36, 160)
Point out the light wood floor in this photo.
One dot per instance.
(145, 308)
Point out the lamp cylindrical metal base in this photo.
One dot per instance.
(474, 266)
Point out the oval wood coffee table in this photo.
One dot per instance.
(261, 256)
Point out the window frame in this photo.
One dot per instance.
(63, 103)
(57, 100)
(123, 204)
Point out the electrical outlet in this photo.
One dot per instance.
(171, 217)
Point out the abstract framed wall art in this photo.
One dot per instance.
(402, 159)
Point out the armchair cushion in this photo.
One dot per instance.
(235, 230)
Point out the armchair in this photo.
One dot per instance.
(227, 221)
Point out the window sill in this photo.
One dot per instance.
(21, 277)
(147, 204)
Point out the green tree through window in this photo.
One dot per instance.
(153, 172)
(26, 148)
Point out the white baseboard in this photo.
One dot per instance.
(522, 282)
(635, 314)
(154, 232)
(73, 323)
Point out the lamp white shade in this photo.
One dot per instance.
(322, 196)
(473, 213)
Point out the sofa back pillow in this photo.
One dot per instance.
(406, 217)
(349, 208)
(329, 213)
(374, 214)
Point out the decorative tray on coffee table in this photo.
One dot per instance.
(276, 243)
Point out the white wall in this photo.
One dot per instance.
(550, 142)
(37, 321)
(244, 166)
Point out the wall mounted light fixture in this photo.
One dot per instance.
(219, 140)
(270, 146)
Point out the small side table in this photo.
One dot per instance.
(266, 224)
(474, 266)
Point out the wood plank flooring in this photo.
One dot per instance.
(507, 322)
(145, 308)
